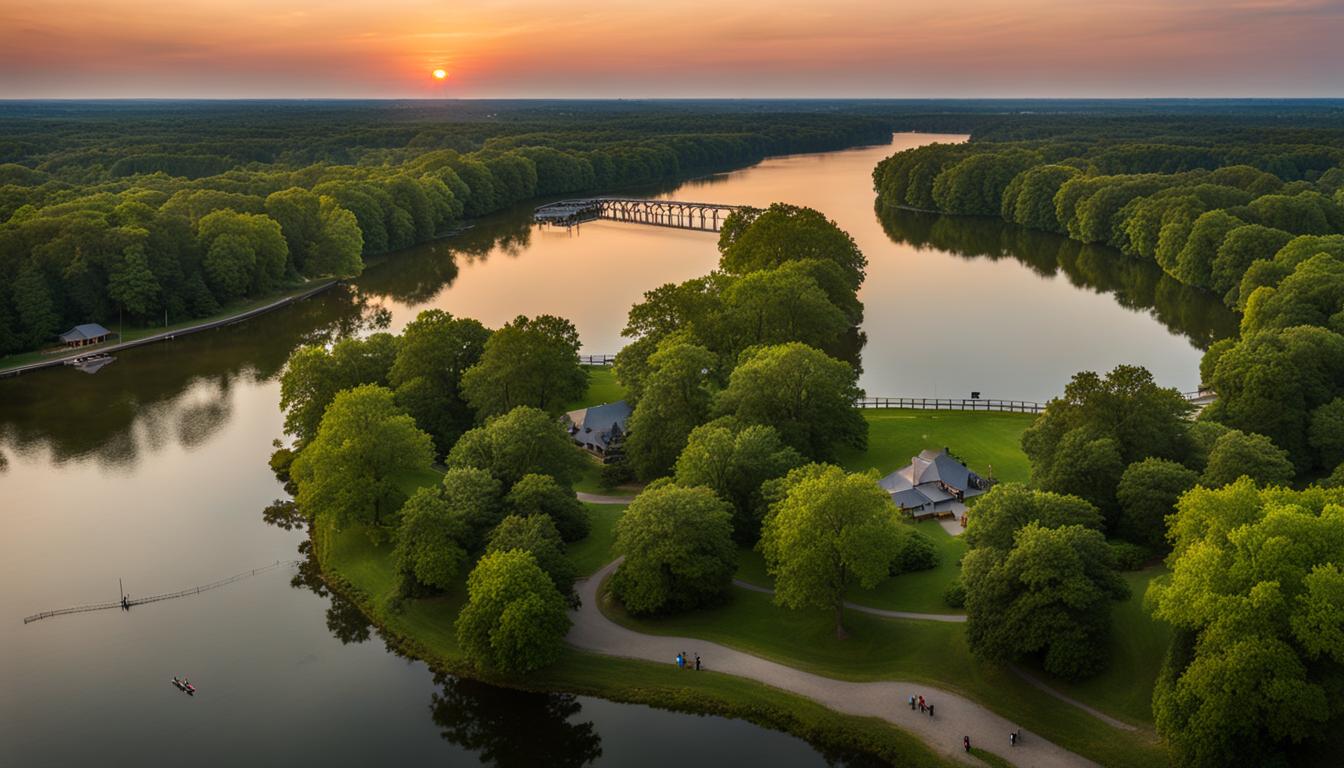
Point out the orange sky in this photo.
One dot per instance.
(609, 48)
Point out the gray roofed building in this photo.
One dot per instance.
(601, 429)
(933, 484)
(88, 333)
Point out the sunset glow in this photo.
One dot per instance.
(607, 48)
(439, 74)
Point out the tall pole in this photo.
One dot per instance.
(120, 588)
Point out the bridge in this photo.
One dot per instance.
(706, 217)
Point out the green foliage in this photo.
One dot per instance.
(132, 284)
(1084, 440)
(825, 530)
(918, 553)
(800, 391)
(314, 375)
(1255, 593)
(430, 543)
(473, 496)
(348, 472)
(1147, 493)
(1326, 434)
(528, 362)
(537, 536)
(999, 514)
(542, 496)
(954, 595)
(677, 396)
(515, 619)
(1050, 594)
(735, 464)
(435, 350)
(678, 549)
(753, 240)
(1238, 454)
(524, 441)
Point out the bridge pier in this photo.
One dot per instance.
(705, 217)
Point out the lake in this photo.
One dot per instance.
(153, 471)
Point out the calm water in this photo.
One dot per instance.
(153, 471)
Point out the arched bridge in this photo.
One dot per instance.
(708, 217)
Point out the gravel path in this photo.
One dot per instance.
(597, 498)
(956, 716)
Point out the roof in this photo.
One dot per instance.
(597, 425)
(924, 480)
(910, 498)
(85, 332)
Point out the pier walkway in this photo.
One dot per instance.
(706, 217)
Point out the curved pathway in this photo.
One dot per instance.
(957, 715)
(597, 498)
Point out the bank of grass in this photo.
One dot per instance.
(598, 548)
(935, 653)
(602, 388)
(362, 571)
(989, 442)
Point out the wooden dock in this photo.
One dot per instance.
(705, 217)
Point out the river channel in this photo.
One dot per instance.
(153, 472)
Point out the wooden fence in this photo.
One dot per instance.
(949, 404)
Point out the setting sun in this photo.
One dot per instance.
(439, 74)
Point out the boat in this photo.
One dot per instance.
(183, 685)
(178, 683)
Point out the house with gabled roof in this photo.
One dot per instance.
(935, 484)
(601, 429)
(84, 335)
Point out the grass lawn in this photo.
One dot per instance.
(597, 549)
(602, 388)
(920, 591)
(931, 652)
(984, 440)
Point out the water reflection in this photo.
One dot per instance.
(1136, 285)
(509, 728)
(345, 620)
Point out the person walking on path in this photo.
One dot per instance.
(1012, 738)
(921, 703)
(912, 703)
(680, 661)
(930, 710)
(966, 743)
(697, 662)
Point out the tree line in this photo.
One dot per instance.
(160, 216)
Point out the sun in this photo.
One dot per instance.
(440, 74)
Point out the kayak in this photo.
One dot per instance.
(179, 685)
(183, 685)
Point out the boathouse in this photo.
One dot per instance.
(935, 484)
(600, 430)
(84, 335)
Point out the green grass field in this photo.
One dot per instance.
(990, 443)
(598, 548)
(602, 388)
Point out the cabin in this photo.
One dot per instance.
(600, 430)
(84, 335)
(935, 484)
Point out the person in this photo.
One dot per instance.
(680, 661)
(912, 703)
(966, 743)
(1012, 738)
(921, 703)
(697, 662)
(1017, 737)
(930, 710)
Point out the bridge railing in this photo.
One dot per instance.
(597, 359)
(949, 404)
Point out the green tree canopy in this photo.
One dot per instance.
(1257, 596)
(537, 536)
(349, 472)
(678, 549)
(314, 375)
(532, 362)
(515, 619)
(474, 497)
(544, 496)
(752, 240)
(1049, 595)
(800, 391)
(524, 441)
(677, 396)
(1236, 454)
(825, 530)
(1147, 493)
(735, 463)
(430, 543)
(999, 514)
(435, 350)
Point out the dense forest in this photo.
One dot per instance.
(1251, 213)
(163, 212)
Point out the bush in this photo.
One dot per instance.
(918, 553)
(615, 473)
(955, 594)
(1129, 556)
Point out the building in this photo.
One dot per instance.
(601, 429)
(935, 484)
(84, 335)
